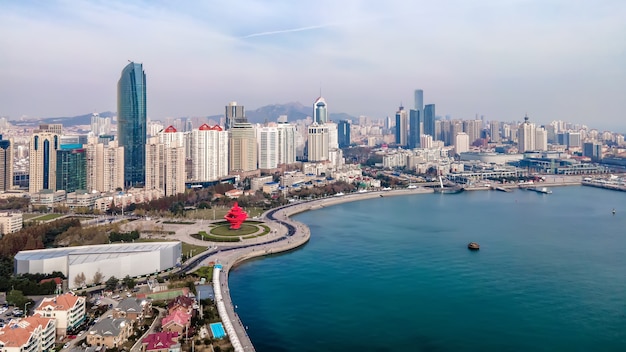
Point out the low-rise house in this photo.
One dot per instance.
(31, 334)
(110, 333)
(178, 321)
(182, 303)
(68, 310)
(166, 341)
(134, 309)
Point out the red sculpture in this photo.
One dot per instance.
(236, 216)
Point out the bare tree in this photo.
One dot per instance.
(79, 280)
(98, 277)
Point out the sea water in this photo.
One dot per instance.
(395, 274)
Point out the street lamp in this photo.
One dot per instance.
(25, 311)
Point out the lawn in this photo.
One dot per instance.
(47, 217)
(187, 247)
(224, 230)
(217, 213)
(206, 237)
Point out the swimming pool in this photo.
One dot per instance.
(217, 330)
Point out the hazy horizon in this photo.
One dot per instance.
(554, 60)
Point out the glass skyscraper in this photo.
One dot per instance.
(71, 168)
(429, 120)
(131, 123)
(320, 111)
(344, 133)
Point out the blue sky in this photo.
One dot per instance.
(501, 59)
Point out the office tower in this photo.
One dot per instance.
(209, 153)
(242, 147)
(526, 136)
(286, 143)
(267, 138)
(416, 119)
(343, 133)
(461, 143)
(402, 127)
(165, 162)
(574, 140)
(472, 128)
(317, 144)
(100, 125)
(71, 168)
(541, 139)
(333, 135)
(593, 150)
(494, 131)
(234, 114)
(55, 128)
(6, 164)
(320, 111)
(131, 123)
(429, 120)
(43, 161)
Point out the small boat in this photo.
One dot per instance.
(613, 211)
(473, 246)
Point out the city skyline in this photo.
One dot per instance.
(554, 61)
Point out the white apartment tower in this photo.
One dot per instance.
(100, 125)
(165, 162)
(526, 136)
(541, 139)
(286, 143)
(333, 135)
(317, 142)
(267, 138)
(461, 143)
(209, 153)
(105, 165)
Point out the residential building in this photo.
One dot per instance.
(461, 143)
(67, 309)
(134, 309)
(43, 161)
(31, 334)
(55, 128)
(177, 321)
(161, 342)
(494, 131)
(242, 148)
(165, 157)
(286, 143)
(527, 134)
(209, 153)
(541, 139)
(100, 125)
(105, 165)
(131, 123)
(109, 332)
(267, 138)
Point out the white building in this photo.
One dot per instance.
(209, 153)
(68, 310)
(317, 143)
(267, 139)
(100, 125)
(541, 139)
(10, 222)
(526, 139)
(31, 334)
(333, 135)
(165, 162)
(119, 260)
(286, 143)
(461, 143)
(43, 161)
(105, 165)
(426, 141)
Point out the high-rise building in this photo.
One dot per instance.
(343, 133)
(416, 119)
(242, 147)
(6, 164)
(286, 143)
(317, 144)
(333, 135)
(165, 161)
(132, 122)
(320, 111)
(526, 139)
(574, 140)
(461, 143)
(593, 150)
(429, 120)
(100, 125)
(209, 153)
(105, 165)
(56, 128)
(43, 161)
(267, 138)
(426, 141)
(402, 127)
(541, 139)
(472, 128)
(494, 131)
(71, 168)
(234, 114)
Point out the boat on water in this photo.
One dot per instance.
(473, 246)
(543, 190)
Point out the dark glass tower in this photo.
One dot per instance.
(131, 123)
(71, 168)
(344, 133)
(429, 120)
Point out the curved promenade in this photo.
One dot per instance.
(287, 234)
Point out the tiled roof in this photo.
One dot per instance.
(17, 333)
(178, 317)
(62, 302)
(160, 340)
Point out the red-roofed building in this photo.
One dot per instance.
(67, 309)
(170, 129)
(178, 321)
(166, 341)
(30, 334)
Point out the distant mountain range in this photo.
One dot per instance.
(268, 113)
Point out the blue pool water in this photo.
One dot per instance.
(217, 329)
(395, 274)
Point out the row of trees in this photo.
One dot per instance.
(34, 237)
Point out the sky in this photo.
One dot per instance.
(550, 59)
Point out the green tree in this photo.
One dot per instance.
(129, 282)
(111, 283)
(17, 298)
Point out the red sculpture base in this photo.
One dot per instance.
(236, 216)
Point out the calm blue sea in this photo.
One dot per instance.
(394, 274)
